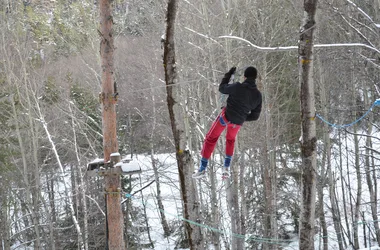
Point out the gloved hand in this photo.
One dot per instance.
(232, 71)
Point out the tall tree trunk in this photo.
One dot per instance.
(333, 200)
(68, 195)
(212, 95)
(115, 234)
(151, 242)
(54, 244)
(358, 198)
(233, 205)
(215, 210)
(81, 196)
(269, 166)
(5, 227)
(325, 158)
(371, 172)
(26, 173)
(327, 178)
(358, 191)
(308, 140)
(164, 223)
(184, 160)
(321, 207)
(242, 195)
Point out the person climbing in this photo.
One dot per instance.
(243, 104)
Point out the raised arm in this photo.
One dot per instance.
(224, 87)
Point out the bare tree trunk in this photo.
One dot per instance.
(69, 198)
(335, 211)
(348, 212)
(155, 165)
(115, 234)
(54, 244)
(81, 188)
(164, 223)
(151, 242)
(331, 185)
(5, 226)
(160, 204)
(374, 204)
(232, 189)
(371, 172)
(269, 167)
(233, 205)
(308, 140)
(28, 195)
(35, 175)
(358, 191)
(243, 197)
(213, 95)
(184, 160)
(325, 159)
(266, 167)
(358, 185)
(215, 209)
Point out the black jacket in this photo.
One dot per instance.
(244, 100)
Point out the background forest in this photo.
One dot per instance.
(51, 125)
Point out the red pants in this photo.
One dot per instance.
(215, 131)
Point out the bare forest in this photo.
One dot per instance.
(304, 176)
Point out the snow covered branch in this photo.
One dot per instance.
(334, 45)
(285, 48)
(280, 48)
(363, 13)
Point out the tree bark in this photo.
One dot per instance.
(358, 198)
(371, 172)
(115, 234)
(164, 223)
(232, 189)
(81, 196)
(325, 164)
(52, 212)
(333, 200)
(184, 160)
(29, 196)
(308, 139)
(5, 239)
(269, 166)
(243, 197)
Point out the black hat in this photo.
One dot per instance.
(250, 72)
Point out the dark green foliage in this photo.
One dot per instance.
(135, 17)
(38, 25)
(8, 141)
(68, 26)
(51, 91)
(89, 107)
(84, 99)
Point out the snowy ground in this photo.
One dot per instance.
(172, 202)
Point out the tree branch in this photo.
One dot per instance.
(286, 48)
(141, 189)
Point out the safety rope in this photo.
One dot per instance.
(240, 236)
(376, 103)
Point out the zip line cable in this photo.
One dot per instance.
(375, 103)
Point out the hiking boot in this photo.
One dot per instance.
(199, 174)
(226, 173)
